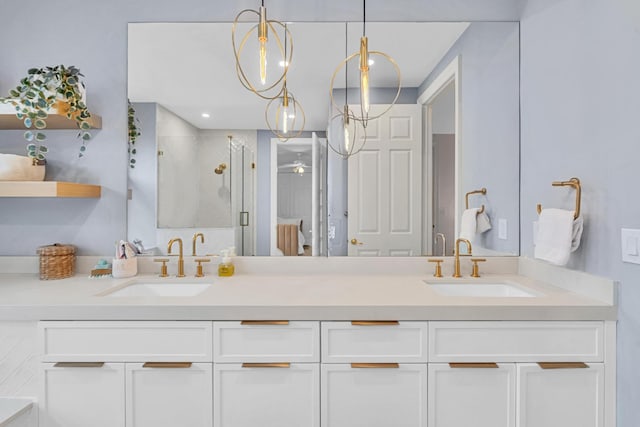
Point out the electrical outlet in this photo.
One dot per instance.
(502, 229)
(630, 240)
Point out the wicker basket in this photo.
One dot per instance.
(57, 261)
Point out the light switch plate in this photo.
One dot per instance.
(630, 240)
(502, 229)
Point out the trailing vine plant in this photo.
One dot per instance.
(41, 90)
(134, 133)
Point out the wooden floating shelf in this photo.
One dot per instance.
(48, 189)
(54, 121)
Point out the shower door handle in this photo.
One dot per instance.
(244, 219)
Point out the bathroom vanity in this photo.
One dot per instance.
(308, 348)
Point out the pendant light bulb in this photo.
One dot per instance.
(262, 38)
(364, 74)
(285, 111)
(345, 124)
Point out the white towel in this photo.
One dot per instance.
(557, 235)
(469, 224)
(483, 224)
(473, 223)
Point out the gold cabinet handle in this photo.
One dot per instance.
(167, 365)
(375, 365)
(355, 241)
(267, 365)
(264, 322)
(374, 322)
(79, 365)
(563, 365)
(474, 365)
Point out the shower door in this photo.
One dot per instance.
(243, 162)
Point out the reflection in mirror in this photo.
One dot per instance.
(455, 129)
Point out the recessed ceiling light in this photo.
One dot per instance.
(371, 61)
(206, 115)
(283, 63)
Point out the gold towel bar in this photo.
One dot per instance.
(573, 182)
(482, 191)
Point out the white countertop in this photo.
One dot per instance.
(341, 295)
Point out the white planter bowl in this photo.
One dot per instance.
(19, 168)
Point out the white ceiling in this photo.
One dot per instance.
(189, 67)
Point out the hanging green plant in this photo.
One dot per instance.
(46, 89)
(134, 133)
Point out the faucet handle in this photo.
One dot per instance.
(475, 271)
(163, 268)
(438, 271)
(199, 272)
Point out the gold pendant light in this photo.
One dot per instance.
(264, 81)
(284, 115)
(346, 136)
(363, 56)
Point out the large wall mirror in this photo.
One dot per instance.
(207, 163)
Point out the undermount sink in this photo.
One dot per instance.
(159, 289)
(484, 289)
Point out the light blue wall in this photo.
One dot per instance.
(490, 128)
(580, 109)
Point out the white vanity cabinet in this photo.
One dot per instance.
(157, 373)
(266, 394)
(570, 396)
(374, 374)
(472, 394)
(327, 374)
(374, 395)
(266, 373)
(549, 374)
(168, 394)
(82, 394)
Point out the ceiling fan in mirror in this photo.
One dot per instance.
(297, 166)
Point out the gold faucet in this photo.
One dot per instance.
(180, 258)
(193, 242)
(456, 264)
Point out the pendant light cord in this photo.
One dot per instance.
(346, 65)
(364, 17)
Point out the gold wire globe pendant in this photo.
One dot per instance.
(362, 57)
(284, 116)
(346, 136)
(262, 70)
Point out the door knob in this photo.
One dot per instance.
(354, 241)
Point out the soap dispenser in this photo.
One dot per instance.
(225, 268)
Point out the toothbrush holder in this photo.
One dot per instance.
(122, 268)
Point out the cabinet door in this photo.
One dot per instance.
(375, 395)
(82, 394)
(560, 397)
(170, 394)
(265, 395)
(472, 395)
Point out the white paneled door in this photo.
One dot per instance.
(385, 186)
